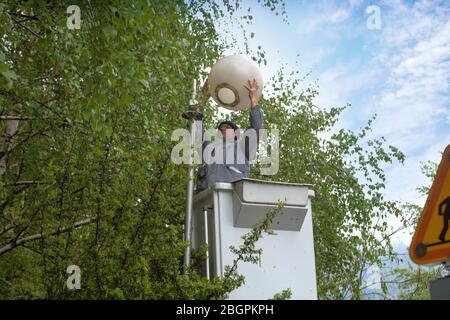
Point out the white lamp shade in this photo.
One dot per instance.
(227, 79)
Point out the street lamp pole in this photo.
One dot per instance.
(194, 117)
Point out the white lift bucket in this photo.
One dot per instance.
(224, 213)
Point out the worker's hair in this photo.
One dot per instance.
(230, 123)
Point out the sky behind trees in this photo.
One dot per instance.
(401, 72)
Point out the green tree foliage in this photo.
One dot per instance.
(414, 283)
(87, 179)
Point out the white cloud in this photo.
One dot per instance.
(327, 13)
(316, 55)
(341, 82)
(414, 106)
(415, 103)
(340, 15)
(411, 64)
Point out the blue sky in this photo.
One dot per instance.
(401, 72)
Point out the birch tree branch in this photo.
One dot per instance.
(15, 243)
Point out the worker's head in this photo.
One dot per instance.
(227, 129)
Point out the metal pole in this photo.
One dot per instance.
(192, 114)
(205, 216)
(189, 203)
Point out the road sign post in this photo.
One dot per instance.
(440, 289)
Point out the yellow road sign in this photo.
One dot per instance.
(431, 241)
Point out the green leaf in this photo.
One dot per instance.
(144, 83)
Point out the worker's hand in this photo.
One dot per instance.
(205, 94)
(253, 88)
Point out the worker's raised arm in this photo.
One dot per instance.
(256, 113)
(256, 121)
(256, 118)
